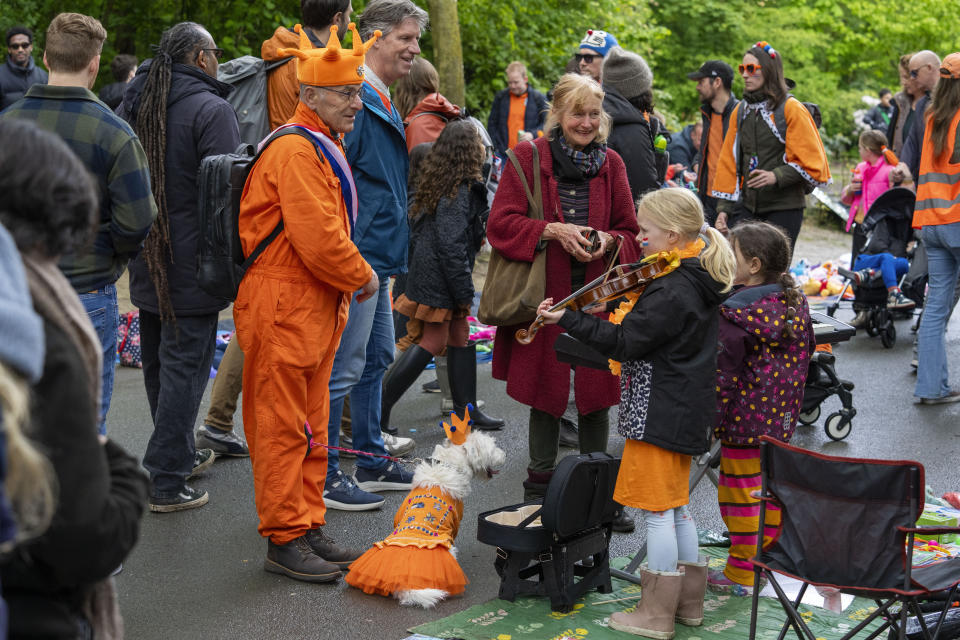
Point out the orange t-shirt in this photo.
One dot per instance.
(714, 144)
(518, 108)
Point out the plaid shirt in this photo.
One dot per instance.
(112, 152)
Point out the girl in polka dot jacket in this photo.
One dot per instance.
(766, 339)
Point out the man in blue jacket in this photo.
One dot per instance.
(518, 104)
(377, 152)
(20, 72)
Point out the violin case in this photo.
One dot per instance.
(558, 547)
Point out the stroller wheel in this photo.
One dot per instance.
(809, 417)
(837, 426)
(873, 330)
(888, 335)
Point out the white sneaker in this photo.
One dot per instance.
(397, 445)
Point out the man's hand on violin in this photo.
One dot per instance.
(572, 238)
(549, 317)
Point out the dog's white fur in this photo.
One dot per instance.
(451, 468)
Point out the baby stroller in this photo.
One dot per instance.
(823, 382)
(886, 228)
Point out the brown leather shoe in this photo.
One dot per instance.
(297, 560)
(329, 550)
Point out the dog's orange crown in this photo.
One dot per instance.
(458, 431)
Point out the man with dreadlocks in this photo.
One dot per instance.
(177, 108)
(293, 302)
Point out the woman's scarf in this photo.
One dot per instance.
(673, 259)
(587, 161)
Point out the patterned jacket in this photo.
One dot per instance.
(427, 518)
(760, 372)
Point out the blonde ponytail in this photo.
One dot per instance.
(30, 482)
(718, 259)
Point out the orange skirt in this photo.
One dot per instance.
(412, 309)
(390, 569)
(652, 478)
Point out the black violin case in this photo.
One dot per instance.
(559, 547)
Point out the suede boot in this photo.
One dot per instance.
(462, 373)
(692, 591)
(405, 370)
(297, 560)
(653, 615)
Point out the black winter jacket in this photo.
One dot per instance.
(443, 247)
(632, 137)
(15, 80)
(533, 117)
(200, 123)
(672, 332)
(102, 495)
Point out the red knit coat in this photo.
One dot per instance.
(534, 375)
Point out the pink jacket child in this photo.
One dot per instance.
(870, 178)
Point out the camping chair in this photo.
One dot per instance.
(845, 522)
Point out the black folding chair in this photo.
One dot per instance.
(849, 523)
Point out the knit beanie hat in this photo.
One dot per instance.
(333, 65)
(627, 73)
(599, 41)
(21, 331)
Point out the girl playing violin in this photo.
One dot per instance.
(662, 341)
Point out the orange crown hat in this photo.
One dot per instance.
(950, 67)
(333, 65)
(458, 431)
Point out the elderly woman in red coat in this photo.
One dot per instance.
(584, 187)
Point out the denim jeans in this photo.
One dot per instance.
(101, 307)
(176, 367)
(365, 352)
(943, 264)
(890, 267)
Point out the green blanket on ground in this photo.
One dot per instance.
(725, 617)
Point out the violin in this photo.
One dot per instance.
(611, 285)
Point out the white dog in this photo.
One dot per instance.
(417, 562)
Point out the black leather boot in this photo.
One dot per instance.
(462, 372)
(404, 372)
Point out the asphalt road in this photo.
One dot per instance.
(198, 574)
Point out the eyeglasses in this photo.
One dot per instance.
(586, 57)
(217, 53)
(349, 94)
(20, 45)
(751, 68)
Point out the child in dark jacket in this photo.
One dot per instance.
(663, 341)
(766, 339)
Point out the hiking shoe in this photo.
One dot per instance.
(431, 387)
(223, 443)
(397, 445)
(202, 461)
(297, 560)
(953, 396)
(344, 495)
(329, 550)
(896, 300)
(346, 441)
(185, 498)
(392, 477)
(857, 277)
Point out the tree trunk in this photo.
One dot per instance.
(447, 54)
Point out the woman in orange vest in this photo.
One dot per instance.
(937, 214)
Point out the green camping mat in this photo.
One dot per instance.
(725, 617)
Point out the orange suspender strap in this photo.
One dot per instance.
(938, 186)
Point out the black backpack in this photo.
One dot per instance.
(220, 261)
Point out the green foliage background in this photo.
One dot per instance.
(836, 50)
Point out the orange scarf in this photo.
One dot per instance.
(673, 259)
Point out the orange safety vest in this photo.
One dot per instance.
(938, 188)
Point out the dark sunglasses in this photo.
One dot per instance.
(586, 57)
(914, 73)
(217, 53)
(20, 45)
(751, 68)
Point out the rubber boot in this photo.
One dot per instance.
(692, 591)
(446, 402)
(462, 374)
(404, 372)
(654, 614)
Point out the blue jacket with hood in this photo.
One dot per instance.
(377, 152)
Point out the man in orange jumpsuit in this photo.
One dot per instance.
(292, 307)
